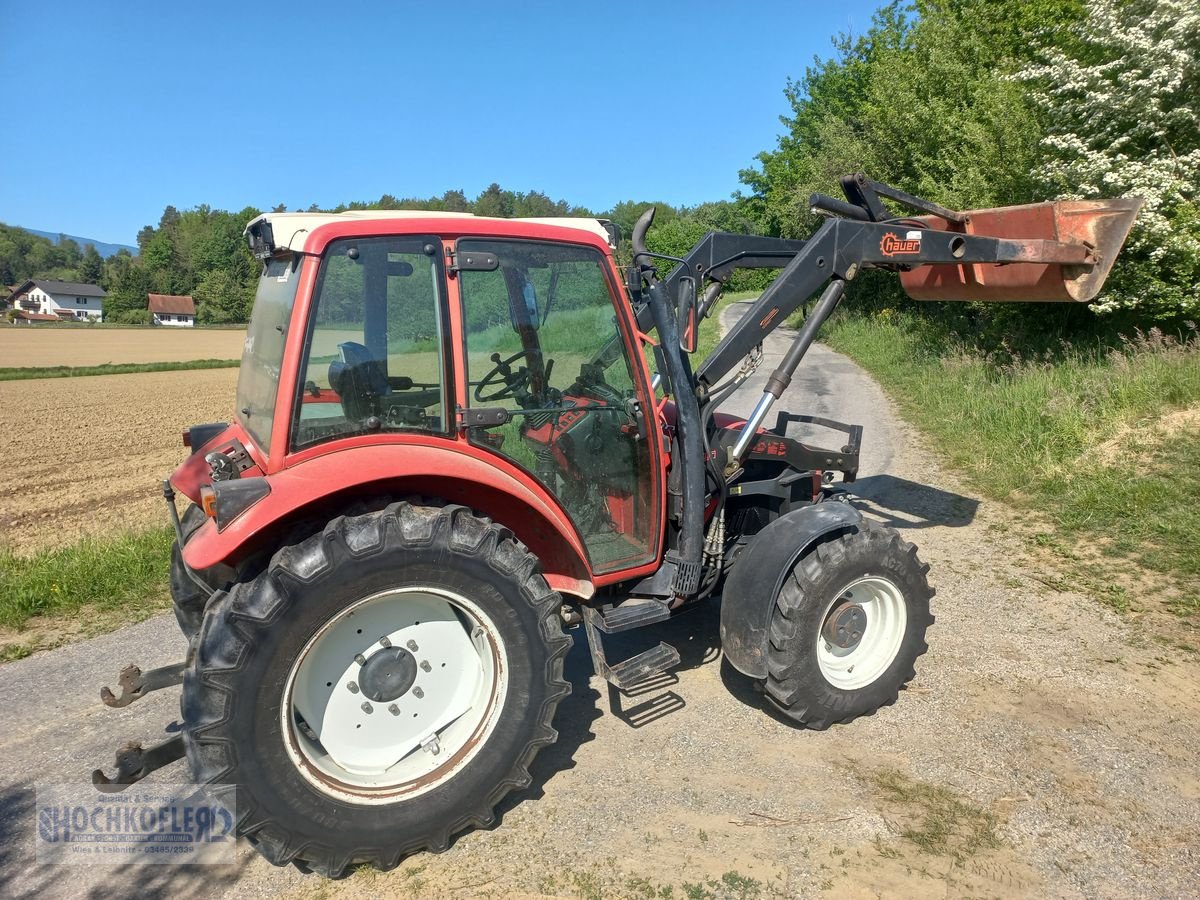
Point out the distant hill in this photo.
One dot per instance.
(103, 248)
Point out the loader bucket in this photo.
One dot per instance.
(1099, 225)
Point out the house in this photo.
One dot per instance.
(63, 300)
(171, 309)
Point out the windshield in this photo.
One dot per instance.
(262, 356)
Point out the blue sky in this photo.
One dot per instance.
(116, 110)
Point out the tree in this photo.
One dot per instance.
(1123, 108)
(494, 201)
(926, 104)
(91, 268)
(221, 298)
(455, 201)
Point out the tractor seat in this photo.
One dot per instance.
(360, 380)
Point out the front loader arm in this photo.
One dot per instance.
(716, 256)
(842, 247)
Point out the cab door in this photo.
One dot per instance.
(543, 342)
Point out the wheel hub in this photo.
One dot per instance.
(845, 625)
(388, 674)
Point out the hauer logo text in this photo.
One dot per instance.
(894, 245)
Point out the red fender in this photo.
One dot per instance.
(447, 471)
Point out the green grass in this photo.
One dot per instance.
(934, 818)
(23, 373)
(1072, 435)
(125, 575)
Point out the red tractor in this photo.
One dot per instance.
(449, 448)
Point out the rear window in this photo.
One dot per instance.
(262, 356)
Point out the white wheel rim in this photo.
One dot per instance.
(886, 618)
(386, 748)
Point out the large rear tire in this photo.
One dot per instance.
(378, 688)
(848, 626)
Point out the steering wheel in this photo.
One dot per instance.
(502, 372)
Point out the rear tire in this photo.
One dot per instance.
(847, 628)
(301, 792)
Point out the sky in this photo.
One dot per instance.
(116, 110)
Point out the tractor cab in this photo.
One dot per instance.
(521, 347)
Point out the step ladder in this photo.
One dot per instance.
(636, 612)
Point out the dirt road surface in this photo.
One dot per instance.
(1044, 750)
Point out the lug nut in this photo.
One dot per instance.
(360, 659)
(367, 708)
(412, 645)
(418, 693)
(352, 687)
(384, 642)
(425, 666)
(394, 709)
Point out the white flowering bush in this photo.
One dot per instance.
(1122, 107)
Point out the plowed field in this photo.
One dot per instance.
(86, 455)
(59, 346)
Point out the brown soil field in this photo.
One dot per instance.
(58, 346)
(87, 455)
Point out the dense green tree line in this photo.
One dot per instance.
(24, 255)
(202, 251)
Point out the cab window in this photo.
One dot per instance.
(373, 356)
(542, 343)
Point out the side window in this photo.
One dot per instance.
(373, 357)
(542, 343)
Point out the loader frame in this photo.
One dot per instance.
(859, 232)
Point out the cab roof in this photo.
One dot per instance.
(291, 229)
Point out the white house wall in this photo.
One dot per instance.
(173, 320)
(50, 304)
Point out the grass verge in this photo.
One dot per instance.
(81, 589)
(1102, 442)
(27, 372)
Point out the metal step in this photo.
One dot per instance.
(633, 671)
(637, 669)
(633, 613)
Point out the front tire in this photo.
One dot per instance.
(847, 628)
(378, 688)
(187, 597)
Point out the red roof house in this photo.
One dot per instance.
(173, 309)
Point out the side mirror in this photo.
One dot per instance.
(688, 322)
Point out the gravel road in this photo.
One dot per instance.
(1044, 750)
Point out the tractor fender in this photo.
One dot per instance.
(758, 574)
(322, 487)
